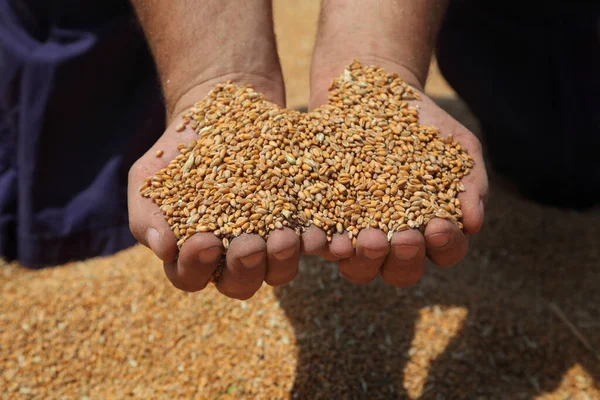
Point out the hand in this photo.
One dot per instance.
(397, 35)
(249, 260)
(401, 261)
(194, 51)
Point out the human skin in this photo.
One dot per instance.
(397, 35)
(197, 47)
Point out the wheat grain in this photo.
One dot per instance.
(362, 160)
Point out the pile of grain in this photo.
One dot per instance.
(362, 160)
(115, 328)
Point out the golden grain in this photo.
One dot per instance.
(362, 160)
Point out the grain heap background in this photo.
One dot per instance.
(115, 328)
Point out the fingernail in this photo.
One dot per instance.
(153, 239)
(374, 254)
(285, 254)
(405, 252)
(253, 260)
(438, 240)
(210, 255)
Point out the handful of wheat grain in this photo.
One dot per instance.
(362, 160)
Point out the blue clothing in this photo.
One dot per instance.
(79, 103)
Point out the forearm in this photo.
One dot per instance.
(402, 32)
(197, 42)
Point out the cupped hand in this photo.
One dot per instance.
(401, 260)
(249, 260)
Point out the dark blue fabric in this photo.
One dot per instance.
(79, 103)
(532, 78)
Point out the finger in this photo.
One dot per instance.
(314, 241)
(172, 273)
(199, 257)
(372, 246)
(405, 263)
(327, 256)
(146, 221)
(339, 248)
(445, 243)
(473, 199)
(283, 254)
(246, 266)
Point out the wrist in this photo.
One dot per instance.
(327, 69)
(189, 81)
(269, 84)
(397, 35)
(196, 45)
(324, 71)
